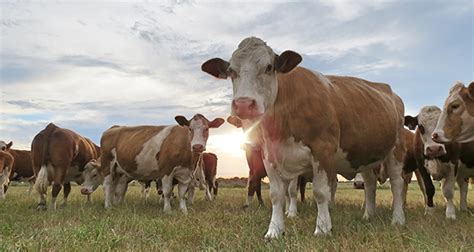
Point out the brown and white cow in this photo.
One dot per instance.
(59, 156)
(153, 152)
(312, 122)
(441, 161)
(210, 171)
(6, 164)
(456, 122)
(22, 168)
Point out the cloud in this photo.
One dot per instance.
(88, 66)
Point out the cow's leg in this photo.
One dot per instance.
(110, 182)
(182, 188)
(58, 181)
(447, 185)
(421, 184)
(429, 189)
(333, 192)
(2, 190)
(406, 181)
(66, 191)
(215, 188)
(278, 188)
(463, 186)
(121, 188)
(370, 184)
(41, 185)
(191, 189)
(208, 191)
(258, 191)
(322, 195)
(167, 183)
(146, 190)
(394, 166)
(292, 209)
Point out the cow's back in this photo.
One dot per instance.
(363, 118)
(22, 167)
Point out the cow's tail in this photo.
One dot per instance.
(39, 153)
(41, 183)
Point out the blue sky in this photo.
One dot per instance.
(87, 66)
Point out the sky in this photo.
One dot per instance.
(88, 65)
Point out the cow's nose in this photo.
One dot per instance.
(244, 107)
(435, 151)
(198, 148)
(85, 191)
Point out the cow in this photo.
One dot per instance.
(312, 122)
(409, 168)
(253, 154)
(456, 122)
(152, 152)
(59, 156)
(441, 161)
(6, 164)
(210, 171)
(22, 168)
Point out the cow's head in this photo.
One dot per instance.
(456, 123)
(425, 123)
(5, 146)
(92, 177)
(253, 69)
(199, 127)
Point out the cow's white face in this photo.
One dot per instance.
(456, 122)
(5, 146)
(199, 128)
(426, 122)
(253, 69)
(92, 177)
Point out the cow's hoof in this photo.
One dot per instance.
(291, 214)
(451, 216)
(245, 206)
(319, 232)
(273, 233)
(398, 221)
(429, 211)
(41, 207)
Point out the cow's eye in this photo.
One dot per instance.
(422, 129)
(269, 69)
(455, 106)
(95, 175)
(3, 148)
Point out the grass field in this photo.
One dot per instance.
(224, 225)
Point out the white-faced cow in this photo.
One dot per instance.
(312, 122)
(442, 161)
(22, 169)
(456, 122)
(153, 152)
(59, 156)
(6, 164)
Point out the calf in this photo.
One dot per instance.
(6, 164)
(456, 122)
(442, 161)
(311, 122)
(22, 167)
(210, 171)
(153, 152)
(59, 156)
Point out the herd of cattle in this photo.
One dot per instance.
(302, 127)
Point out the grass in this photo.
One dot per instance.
(225, 225)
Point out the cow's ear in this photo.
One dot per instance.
(234, 120)
(287, 61)
(9, 145)
(216, 67)
(182, 120)
(470, 90)
(411, 122)
(216, 123)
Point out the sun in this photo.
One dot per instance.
(229, 143)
